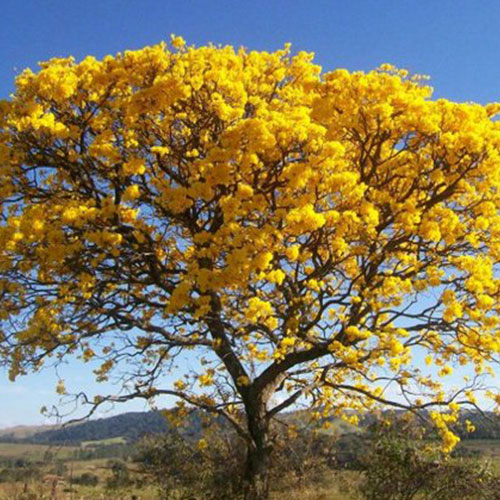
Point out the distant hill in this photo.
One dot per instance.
(130, 427)
(25, 431)
(487, 425)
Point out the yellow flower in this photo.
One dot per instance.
(135, 166)
(177, 41)
(202, 444)
(61, 388)
(243, 380)
(131, 193)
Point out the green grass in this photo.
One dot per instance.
(103, 442)
(97, 466)
(34, 452)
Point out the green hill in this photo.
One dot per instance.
(129, 427)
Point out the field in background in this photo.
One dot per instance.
(34, 452)
(65, 461)
(43, 491)
(103, 442)
(488, 448)
(39, 489)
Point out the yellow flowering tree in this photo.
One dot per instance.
(306, 235)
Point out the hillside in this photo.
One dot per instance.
(132, 426)
(24, 431)
(129, 426)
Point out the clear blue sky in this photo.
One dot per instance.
(456, 42)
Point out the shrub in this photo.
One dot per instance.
(120, 475)
(184, 468)
(86, 479)
(404, 466)
(19, 474)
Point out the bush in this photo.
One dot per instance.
(183, 469)
(86, 479)
(20, 474)
(406, 467)
(120, 475)
(301, 458)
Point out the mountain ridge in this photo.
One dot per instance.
(131, 426)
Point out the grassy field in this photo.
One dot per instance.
(34, 452)
(325, 488)
(103, 442)
(333, 485)
(43, 491)
(37, 490)
(488, 448)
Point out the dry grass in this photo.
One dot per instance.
(331, 486)
(325, 489)
(312, 493)
(40, 491)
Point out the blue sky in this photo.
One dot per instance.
(456, 42)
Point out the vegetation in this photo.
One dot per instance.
(303, 233)
(402, 466)
(180, 467)
(394, 462)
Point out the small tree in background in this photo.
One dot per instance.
(304, 235)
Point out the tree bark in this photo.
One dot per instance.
(258, 462)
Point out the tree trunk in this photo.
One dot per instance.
(257, 473)
(258, 461)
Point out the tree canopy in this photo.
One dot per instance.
(311, 236)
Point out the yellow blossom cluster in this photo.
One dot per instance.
(245, 203)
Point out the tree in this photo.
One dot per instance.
(303, 234)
